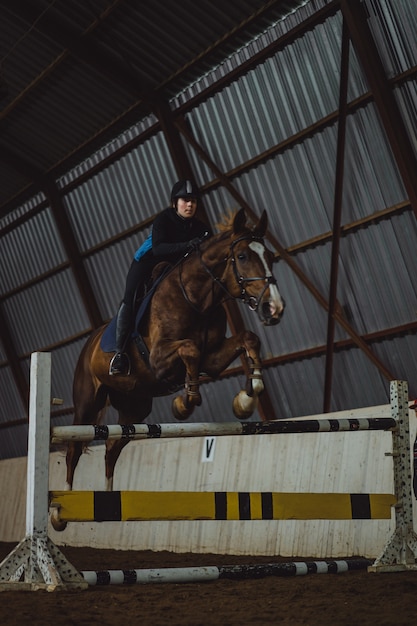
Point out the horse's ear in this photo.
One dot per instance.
(239, 221)
(260, 228)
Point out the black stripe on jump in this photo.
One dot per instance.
(101, 432)
(220, 503)
(107, 506)
(103, 578)
(314, 426)
(128, 431)
(332, 567)
(244, 505)
(129, 577)
(154, 431)
(267, 507)
(361, 506)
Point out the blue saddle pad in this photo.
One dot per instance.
(108, 339)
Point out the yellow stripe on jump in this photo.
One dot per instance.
(190, 505)
(303, 505)
(145, 505)
(232, 506)
(380, 503)
(256, 506)
(74, 505)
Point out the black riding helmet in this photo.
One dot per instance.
(184, 189)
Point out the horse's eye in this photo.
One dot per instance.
(241, 256)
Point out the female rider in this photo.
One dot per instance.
(175, 231)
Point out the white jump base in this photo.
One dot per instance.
(37, 563)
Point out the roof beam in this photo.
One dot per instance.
(66, 233)
(70, 41)
(367, 51)
(65, 230)
(337, 215)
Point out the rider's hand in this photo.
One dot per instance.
(194, 243)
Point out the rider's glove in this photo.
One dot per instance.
(194, 243)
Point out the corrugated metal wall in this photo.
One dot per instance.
(290, 93)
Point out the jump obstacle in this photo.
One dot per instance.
(37, 563)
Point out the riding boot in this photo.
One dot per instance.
(120, 363)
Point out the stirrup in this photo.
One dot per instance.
(119, 364)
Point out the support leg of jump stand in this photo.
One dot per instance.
(400, 553)
(36, 562)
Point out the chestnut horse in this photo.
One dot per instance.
(184, 331)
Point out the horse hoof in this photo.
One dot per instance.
(244, 405)
(180, 412)
(56, 521)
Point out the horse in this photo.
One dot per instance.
(184, 330)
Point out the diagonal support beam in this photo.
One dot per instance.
(68, 239)
(357, 339)
(389, 111)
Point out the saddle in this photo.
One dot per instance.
(108, 339)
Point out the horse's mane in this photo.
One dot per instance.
(226, 222)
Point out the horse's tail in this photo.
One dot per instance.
(89, 396)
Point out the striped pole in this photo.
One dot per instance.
(210, 573)
(61, 434)
(124, 506)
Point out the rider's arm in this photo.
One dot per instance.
(163, 247)
(169, 242)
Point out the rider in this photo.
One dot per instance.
(175, 231)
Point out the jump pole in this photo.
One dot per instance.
(231, 572)
(103, 432)
(36, 562)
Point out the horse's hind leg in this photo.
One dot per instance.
(113, 451)
(88, 409)
(114, 447)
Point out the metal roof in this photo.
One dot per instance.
(76, 74)
(85, 165)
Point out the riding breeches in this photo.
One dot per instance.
(137, 277)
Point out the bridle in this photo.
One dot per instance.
(252, 302)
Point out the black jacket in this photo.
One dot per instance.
(171, 235)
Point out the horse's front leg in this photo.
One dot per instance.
(183, 405)
(247, 343)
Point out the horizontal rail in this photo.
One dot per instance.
(212, 572)
(124, 506)
(62, 434)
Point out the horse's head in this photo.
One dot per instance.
(248, 274)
